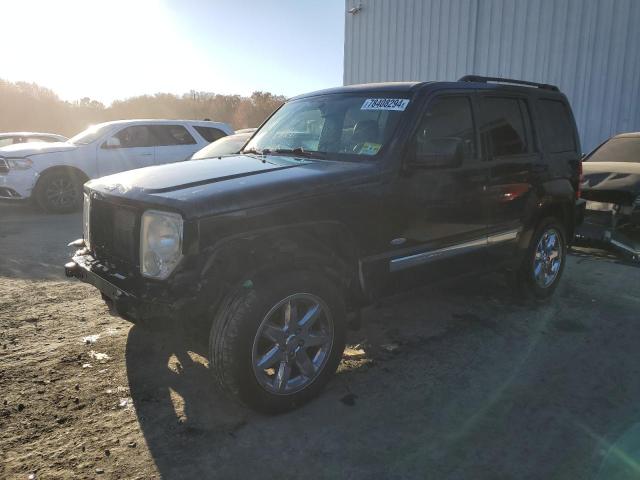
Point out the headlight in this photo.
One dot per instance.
(86, 226)
(160, 243)
(19, 163)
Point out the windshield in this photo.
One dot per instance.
(223, 146)
(89, 135)
(617, 150)
(345, 126)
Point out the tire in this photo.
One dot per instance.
(541, 269)
(251, 350)
(59, 192)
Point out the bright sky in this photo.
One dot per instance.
(113, 49)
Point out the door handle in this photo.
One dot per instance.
(146, 154)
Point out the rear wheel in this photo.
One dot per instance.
(274, 346)
(544, 262)
(59, 192)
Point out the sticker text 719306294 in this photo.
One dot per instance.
(397, 104)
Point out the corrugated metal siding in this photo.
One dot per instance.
(589, 48)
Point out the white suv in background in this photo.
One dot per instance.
(53, 173)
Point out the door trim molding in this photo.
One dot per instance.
(402, 263)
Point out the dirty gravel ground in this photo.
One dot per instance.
(453, 382)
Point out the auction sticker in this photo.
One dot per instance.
(397, 104)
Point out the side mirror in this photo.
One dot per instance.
(438, 153)
(112, 142)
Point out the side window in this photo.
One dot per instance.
(445, 130)
(557, 128)
(172, 135)
(210, 134)
(6, 141)
(134, 136)
(504, 128)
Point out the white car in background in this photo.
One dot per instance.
(228, 145)
(53, 173)
(9, 138)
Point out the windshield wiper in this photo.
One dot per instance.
(300, 152)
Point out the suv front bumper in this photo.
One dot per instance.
(133, 299)
(17, 184)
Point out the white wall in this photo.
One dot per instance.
(589, 48)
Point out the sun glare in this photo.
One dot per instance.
(80, 47)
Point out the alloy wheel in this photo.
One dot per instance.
(292, 344)
(61, 192)
(548, 258)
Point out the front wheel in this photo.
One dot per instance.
(59, 192)
(544, 261)
(275, 345)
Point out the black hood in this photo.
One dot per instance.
(612, 182)
(205, 187)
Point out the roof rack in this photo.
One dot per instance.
(479, 78)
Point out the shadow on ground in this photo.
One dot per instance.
(474, 386)
(189, 425)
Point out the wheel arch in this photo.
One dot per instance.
(329, 246)
(562, 210)
(75, 171)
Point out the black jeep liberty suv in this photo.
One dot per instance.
(342, 196)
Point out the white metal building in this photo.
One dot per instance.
(589, 48)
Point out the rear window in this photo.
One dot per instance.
(210, 134)
(172, 135)
(617, 150)
(557, 127)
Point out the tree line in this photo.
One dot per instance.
(30, 107)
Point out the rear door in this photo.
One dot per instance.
(174, 143)
(509, 149)
(129, 148)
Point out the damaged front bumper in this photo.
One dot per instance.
(132, 298)
(613, 226)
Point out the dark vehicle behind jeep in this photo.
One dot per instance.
(341, 197)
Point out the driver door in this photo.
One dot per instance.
(132, 147)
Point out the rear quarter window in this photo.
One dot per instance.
(556, 126)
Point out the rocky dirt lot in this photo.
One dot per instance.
(454, 382)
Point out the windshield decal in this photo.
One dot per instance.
(397, 104)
